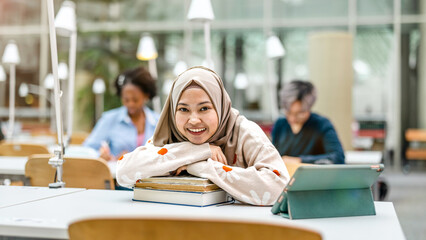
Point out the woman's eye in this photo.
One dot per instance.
(183, 109)
(204, 109)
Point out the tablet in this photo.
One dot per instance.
(318, 191)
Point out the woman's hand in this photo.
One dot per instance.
(217, 154)
(105, 153)
(179, 170)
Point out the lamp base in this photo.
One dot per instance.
(57, 185)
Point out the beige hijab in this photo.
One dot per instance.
(229, 120)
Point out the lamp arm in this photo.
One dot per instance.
(71, 81)
(11, 101)
(58, 159)
(207, 44)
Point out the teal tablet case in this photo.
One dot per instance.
(321, 191)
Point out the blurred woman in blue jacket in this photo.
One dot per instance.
(123, 129)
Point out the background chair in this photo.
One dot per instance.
(78, 137)
(415, 146)
(21, 149)
(180, 229)
(292, 167)
(77, 172)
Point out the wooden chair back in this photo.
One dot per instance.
(78, 137)
(77, 172)
(413, 137)
(292, 167)
(21, 149)
(184, 229)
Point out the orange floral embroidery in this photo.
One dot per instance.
(276, 172)
(149, 141)
(120, 157)
(162, 151)
(227, 169)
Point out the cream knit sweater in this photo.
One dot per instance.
(256, 175)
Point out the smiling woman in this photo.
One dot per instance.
(199, 131)
(196, 117)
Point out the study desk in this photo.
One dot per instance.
(12, 165)
(10, 196)
(363, 157)
(49, 218)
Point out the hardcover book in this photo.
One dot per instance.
(197, 199)
(178, 183)
(183, 190)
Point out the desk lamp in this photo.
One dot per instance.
(179, 68)
(65, 25)
(240, 84)
(98, 89)
(274, 51)
(2, 74)
(62, 71)
(147, 52)
(202, 11)
(11, 57)
(49, 83)
(58, 159)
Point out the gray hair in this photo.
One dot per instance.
(297, 90)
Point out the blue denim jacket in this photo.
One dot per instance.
(116, 128)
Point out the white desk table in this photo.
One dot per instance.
(12, 165)
(363, 157)
(49, 218)
(11, 196)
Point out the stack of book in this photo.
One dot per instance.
(183, 190)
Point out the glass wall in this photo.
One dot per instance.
(109, 31)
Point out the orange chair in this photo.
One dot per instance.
(184, 229)
(77, 172)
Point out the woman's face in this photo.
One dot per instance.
(297, 115)
(133, 98)
(196, 117)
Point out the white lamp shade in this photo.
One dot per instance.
(2, 74)
(11, 54)
(274, 48)
(23, 90)
(146, 48)
(241, 81)
(98, 86)
(65, 20)
(49, 81)
(62, 71)
(200, 10)
(180, 67)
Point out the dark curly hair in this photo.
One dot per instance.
(139, 77)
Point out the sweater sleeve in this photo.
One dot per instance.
(259, 175)
(149, 160)
(332, 147)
